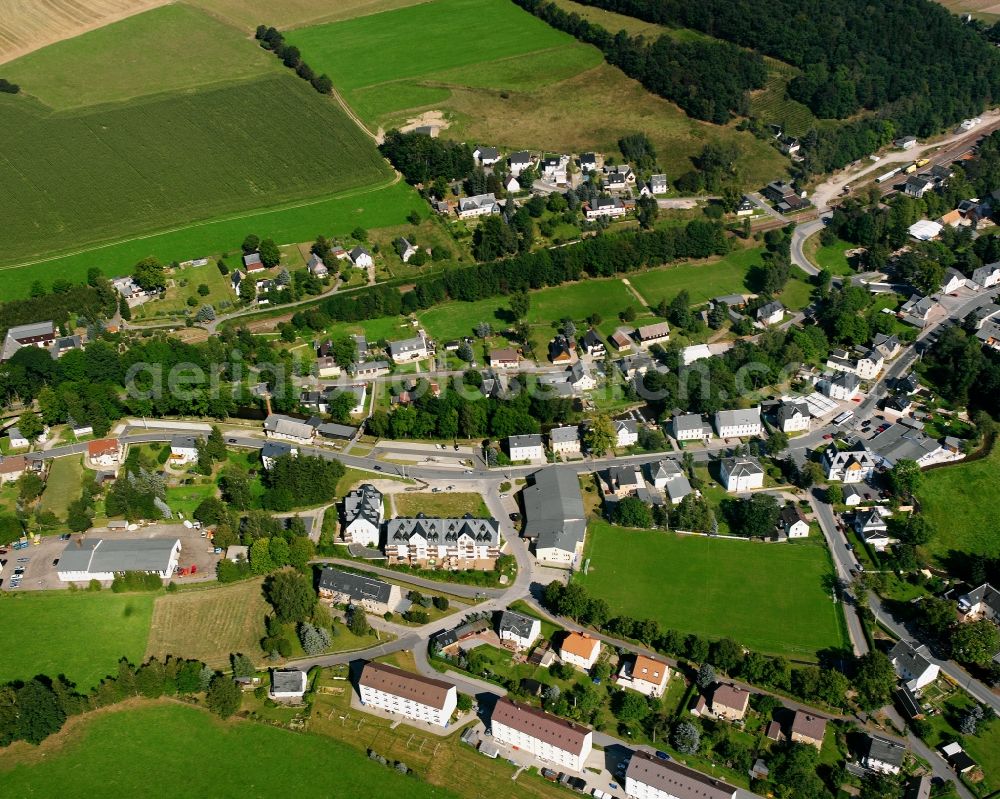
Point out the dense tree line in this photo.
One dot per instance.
(272, 39)
(303, 480)
(963, 373)
(936, 72)
(709, 80)
(423, 159)
(85, 302)
(32, 711)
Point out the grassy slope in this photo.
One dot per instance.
(768, 597)
(168, 49)
(81, 635)
(701, 280)
(248, 14)
(519, 85)
(953, 498)
(111, 756)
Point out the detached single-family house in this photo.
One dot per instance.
(742, 473)
(316, 266)
(593, 344)
(505, 358)
(957, 758)
(770, 314)
(668, 476)
(272, 450)
(917, 186)
(854, 465)
(363, 516)
(690, 427)
(327, 367)
(486, 156)
(980, 603)
(794, 522)
(106, 452)
(12, 467)
(730, 702)
(369, 369)
(580, 650)
(870, 525)
(525, 448)
(608, 207)
(953, 280)
(183, 449)
(739, 423)
(886, 346)
(808, 729)
(512, 185)
(17, 439)
(287, 684)
(622, 340)
(520, 630)
(658, 184)
(252, 263)
(986, 276)
(626, 432)
(478, 205)
(361, 258)
(644, 674)
(562, 349)
(792, 417)
(286, 428)
(882, 755)
(917, 308)
(409, 349)
(519, 161)
(407, 249)
(565, 440)
(622, 481)
(745, 207)
(588, 162)
(841, 386)
(913, 665)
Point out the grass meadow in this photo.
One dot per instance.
(197, 755)
(63, 485)
(79, 634)
(829, 256)
(772, 598)
(447, 504)
(504, 77)
(954, 499)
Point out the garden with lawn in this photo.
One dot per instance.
(774, 598)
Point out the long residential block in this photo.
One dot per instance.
(547, 737)
(410, 695)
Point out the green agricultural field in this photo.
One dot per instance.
(772, 598)
(79, 634)
(63, 484)
(168, 49)
(702, 280)
(952, 498)
(502, 76)
(110, 755)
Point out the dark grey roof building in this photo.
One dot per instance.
(556, 520)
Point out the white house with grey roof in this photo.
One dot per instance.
(986, 276)
(103, 558)
(841, 386)
(361, 258)
(913, 665)
(183, 449)
(526, 448)
(853, 465)
(742, 473)
(906, 440)
(648, 777)
(626, 432)
(37, 334)
(478, 205)
(669, 477)
(487, 156)
(287, 684)
(882, 755)
(982, 602)
(522, 631)
(871, 526)
(739, 423)
(792, 417)
(565, 440)
(345, 588)
(555, 519)
(690, 427)
(409, 349)
(363, 515)
(287, 428)
(466, 543)
(770, 313)
(519, 161)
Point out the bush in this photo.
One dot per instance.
(135, 581)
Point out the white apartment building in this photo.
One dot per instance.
(650, 778)
(410, 695)
(580, 650)
(738, 423)
(526, 448)
(363, 515)
(549, 738)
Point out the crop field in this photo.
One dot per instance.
(210, 624)
(63, 485)
(79, 634)
(502, 76)
(167, 49)
(26, 26)
(109, 754)
(772, 598)
(952, 498)
(988, 10)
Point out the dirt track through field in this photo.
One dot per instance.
(26, 25)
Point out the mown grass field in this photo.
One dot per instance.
(210, 624)
(830, 256)
(79, 634)
(63, 485)
(447, 504)
(955, 500)
(164, 50)
(772, 598)
(248, 14)
(196, 755)
(701, 280)
(502, 76)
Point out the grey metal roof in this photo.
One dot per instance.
(356, 586)
(884, 750)
(184, 441)
(742, 466)
(676, 780)
(364, 502)
(902, 441)
(334, 430)
(275, 449)
(553, 508)
(33, 330)
(790, 410)
(118, 555)
(910, 660)
(288, 681)
(286, 425)
(689, 421)
(738, 418)
(529, 440)
(406, 345)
